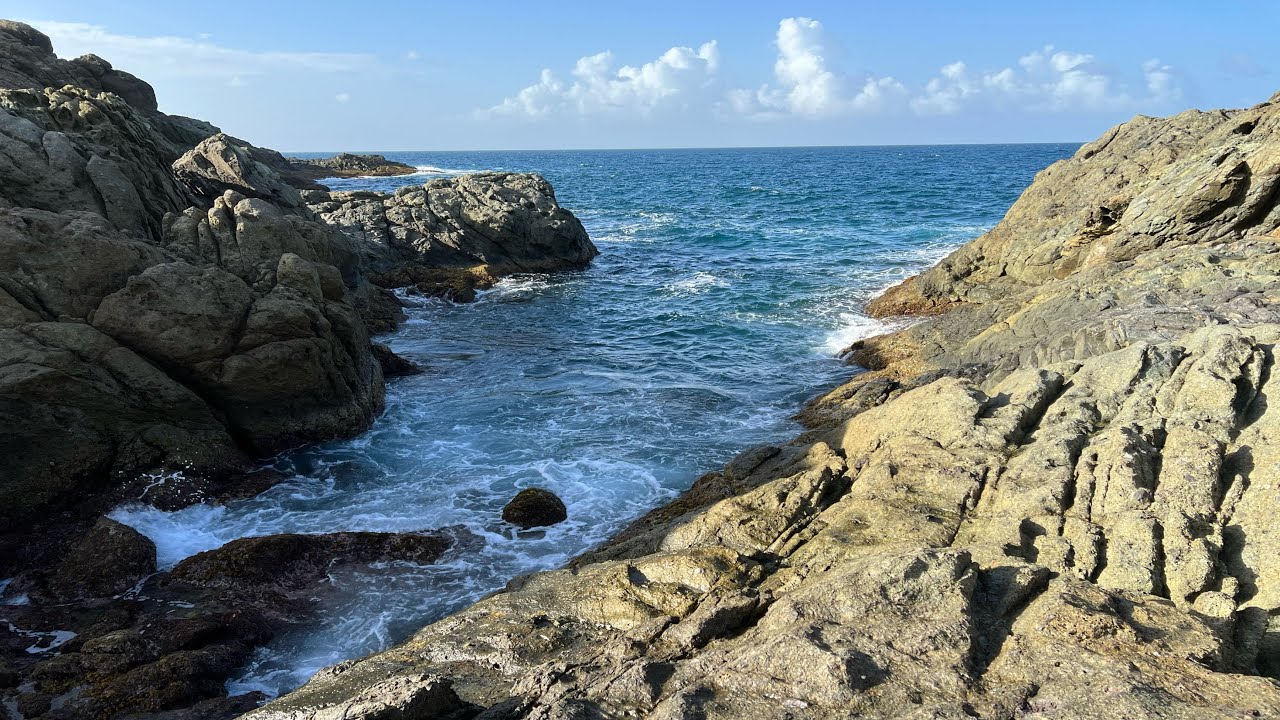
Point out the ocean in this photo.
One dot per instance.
(728, 282)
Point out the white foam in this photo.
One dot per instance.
(433, 170)
(45, 640)
(179, 534)
(698, 283)
(854, 327)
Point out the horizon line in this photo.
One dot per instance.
(698, 147)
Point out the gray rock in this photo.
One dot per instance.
(502, 223)
(345, 165)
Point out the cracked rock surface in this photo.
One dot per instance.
(1054, 497)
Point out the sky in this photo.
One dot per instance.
(496, 75)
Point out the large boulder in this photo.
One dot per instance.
(535, 507)
(108, 560)
(286, 367)
(506, 222)
(84, 416)
(247, 236)
(221, 163)
(77, 149)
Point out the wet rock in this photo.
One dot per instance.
(535, 507)
(109, 560)
(392, 364)
(276, 571)
(32, 704)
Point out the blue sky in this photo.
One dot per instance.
(496, 75)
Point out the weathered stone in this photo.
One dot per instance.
(535, 507)
(109, 560)
(505, 222)
(392, 364)
(345, 165)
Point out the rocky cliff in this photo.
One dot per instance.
(171, 309)
(1052, 498)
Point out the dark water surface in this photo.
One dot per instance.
(728, 280)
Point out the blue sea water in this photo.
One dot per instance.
(727, 284)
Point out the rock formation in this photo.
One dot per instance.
(452, 235)
(1052, 498)
(171, 309)
(346, 165)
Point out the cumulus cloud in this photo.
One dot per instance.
(343, 98)
(190, 57)
(1046, 80)
(675, 78)
(806, 85)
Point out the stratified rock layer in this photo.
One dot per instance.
(1055, 499)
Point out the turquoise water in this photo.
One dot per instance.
(727, 283)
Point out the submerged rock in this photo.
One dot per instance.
(535, 507)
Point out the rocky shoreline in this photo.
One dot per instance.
(174, 308)
(1053, 496)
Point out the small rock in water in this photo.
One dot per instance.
(535, 507)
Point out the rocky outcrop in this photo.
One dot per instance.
(1051, 498)
(221, 163)
(346, 165)
(452, 235)
(170, 310)
(172, 644)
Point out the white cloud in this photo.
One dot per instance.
(412, 55)
(1046, 80)
(674, 78)
(1162, 81)
(805, 85)
(343, 98)
(170, 56)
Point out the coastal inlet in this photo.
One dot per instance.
(727, 284)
